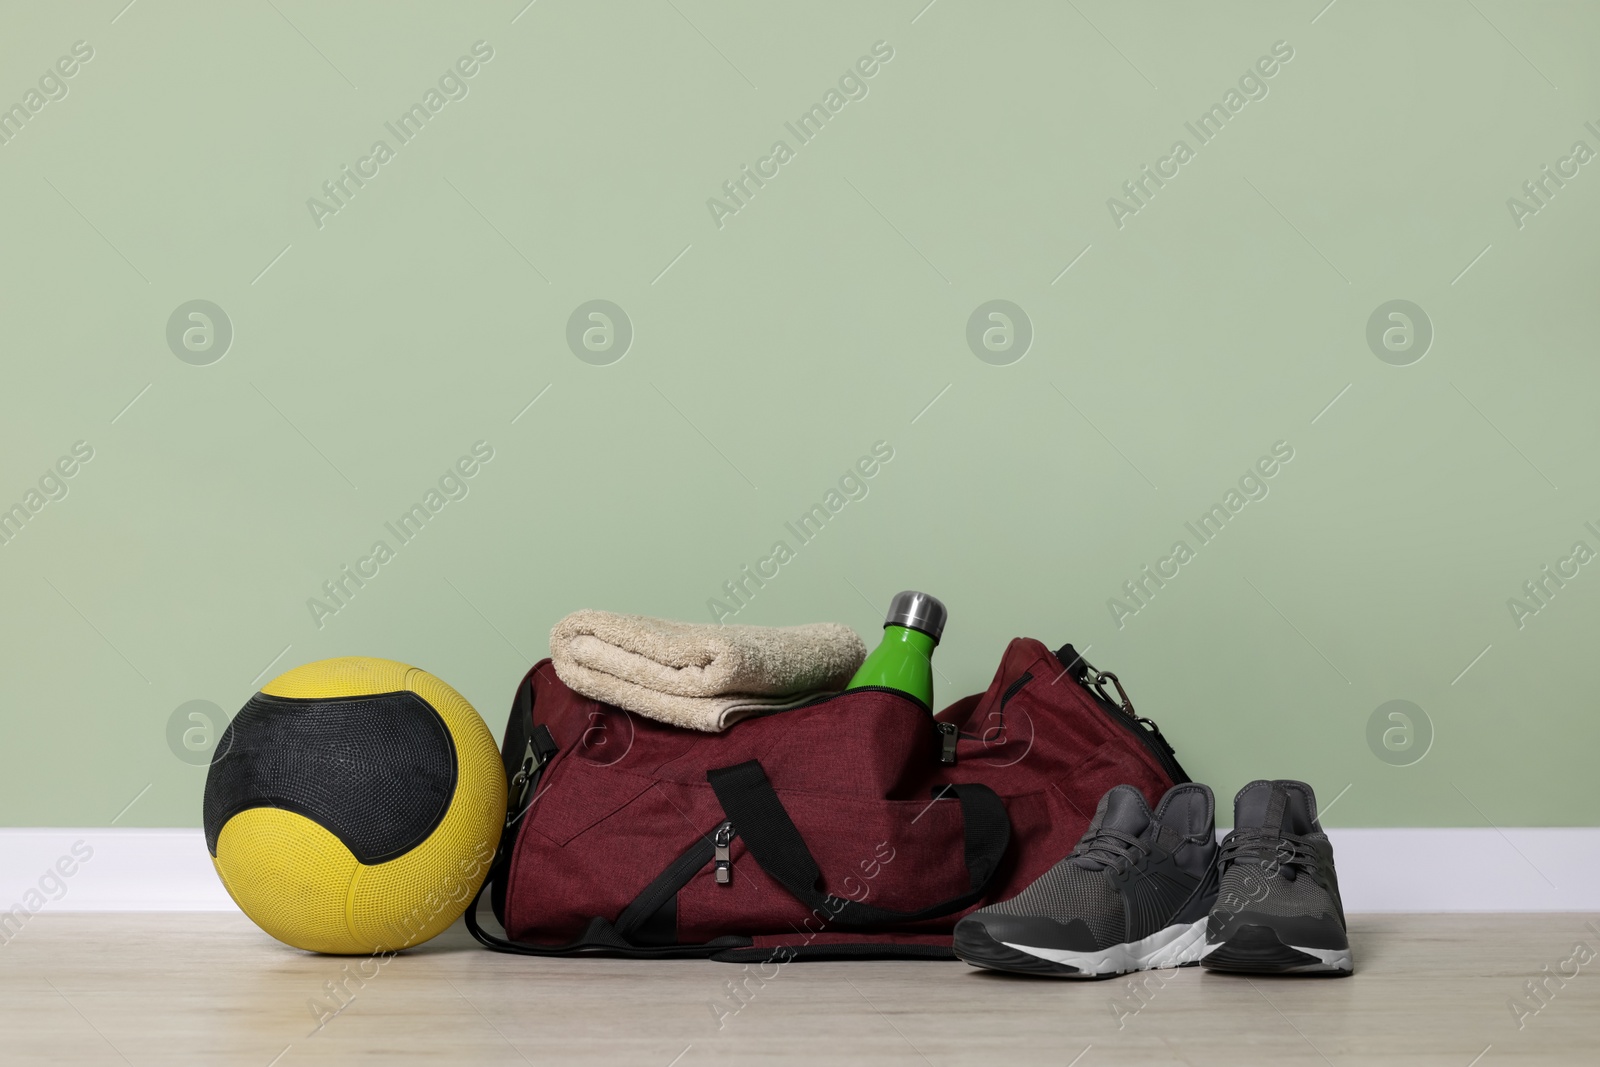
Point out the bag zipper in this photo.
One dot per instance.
(1005, 698)
(678, 874)
(1011, 690)
(691, 862)
(1124, 715)
(945, 734)
(825, 697)
(721, 841)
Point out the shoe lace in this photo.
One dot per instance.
(1284, 853)
(1115, 848)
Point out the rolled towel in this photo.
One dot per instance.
(700, 675)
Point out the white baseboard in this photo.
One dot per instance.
(127, 870)
(1380, 870)
(1469, 869)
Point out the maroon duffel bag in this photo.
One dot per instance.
(855, 826)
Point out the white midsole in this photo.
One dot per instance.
(1169, 947)
(1336, 958)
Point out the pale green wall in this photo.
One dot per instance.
(1221, 318)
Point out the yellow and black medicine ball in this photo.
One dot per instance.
(353, 806)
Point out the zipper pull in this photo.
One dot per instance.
(720, 842)
(1155, 731)
(948, 734)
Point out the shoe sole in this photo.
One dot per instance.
(1259, 950)
(975, 946)
(1175, 946)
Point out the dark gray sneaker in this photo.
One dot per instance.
(1133, 895)
(1278, 909)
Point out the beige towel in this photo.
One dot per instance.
(699, 675)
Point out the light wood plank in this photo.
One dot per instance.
(210, 989)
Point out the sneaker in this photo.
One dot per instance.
(1278, 909)
(1133, 895)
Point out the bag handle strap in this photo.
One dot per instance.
(752, 805)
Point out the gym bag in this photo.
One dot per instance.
(854, 826)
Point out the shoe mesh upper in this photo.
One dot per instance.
(1253, 887)
(1067, 891)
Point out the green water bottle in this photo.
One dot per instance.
(902, 660)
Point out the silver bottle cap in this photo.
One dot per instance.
(917, 611)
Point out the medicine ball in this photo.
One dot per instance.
(353, 806)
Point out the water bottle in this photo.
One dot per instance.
(902, 659)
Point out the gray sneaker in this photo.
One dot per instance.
(1133, 895)
(1278, 909)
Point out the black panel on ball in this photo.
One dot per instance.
(377, 772)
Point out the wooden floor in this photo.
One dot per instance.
(211, 990)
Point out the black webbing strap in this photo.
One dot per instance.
(773, 840)
(600, 938)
